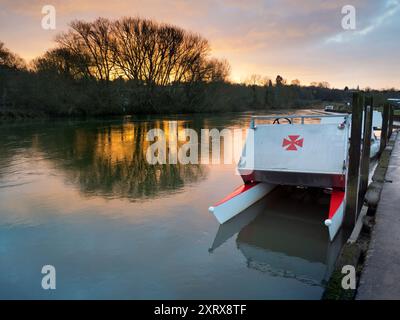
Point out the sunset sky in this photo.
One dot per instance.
(296, 39)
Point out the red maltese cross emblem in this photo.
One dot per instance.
(292, 142)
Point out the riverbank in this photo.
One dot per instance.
(10, 114)
(380, 276)
(362, 243)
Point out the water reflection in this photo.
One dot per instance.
(118, 166)
(106, 160)
(277, 239)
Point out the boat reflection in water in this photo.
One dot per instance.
(282, 235)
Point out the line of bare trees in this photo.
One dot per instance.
(132, 48)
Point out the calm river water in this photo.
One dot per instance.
(80, 195)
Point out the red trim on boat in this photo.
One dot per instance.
(337, 198)
(237, 191)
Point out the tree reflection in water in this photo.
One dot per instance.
(111, 161)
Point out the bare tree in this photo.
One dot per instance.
(9, 59)
(63, 62)
(93, 40)
(142, 50)
(295, 82)
(280, 81)
(253, 80)
(217, 70)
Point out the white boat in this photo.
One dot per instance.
(329, 108)
(298, 153)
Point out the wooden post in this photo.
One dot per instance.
(385, 125)
(354, 163)
(366, 149)
(391, 115)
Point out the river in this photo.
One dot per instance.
(80, 196)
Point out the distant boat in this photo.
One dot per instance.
(338, 108)
(299, 154)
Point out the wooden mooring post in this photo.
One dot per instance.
(353, 169)
(385, 127)
(366, 149)
(391, 117)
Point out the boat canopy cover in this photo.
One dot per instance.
(376, 119)
(298, 148)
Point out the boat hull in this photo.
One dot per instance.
(336, 212)
(239, 200)
(318, 180)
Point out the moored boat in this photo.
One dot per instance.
(303, 152)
